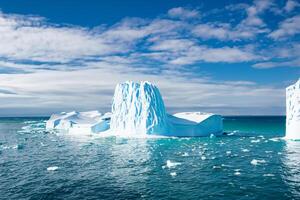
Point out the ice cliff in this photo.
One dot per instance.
(138, 109)
(293, 111)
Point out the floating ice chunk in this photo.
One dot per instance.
(185, 154)
(293, 111)
(52, 168)
(173, 174)
(237, 173)
(203, 158)
(275, 139)
(217, 167)
(268, 175)
(79, 122)
(256, 162)
(171, 164)
(245, 150)
(255, 141)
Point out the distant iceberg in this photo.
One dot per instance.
(138, 110)
(293, 111)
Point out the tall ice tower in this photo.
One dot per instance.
(293, 111)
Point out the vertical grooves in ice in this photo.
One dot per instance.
(138, 108)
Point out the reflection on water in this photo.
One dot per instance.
(291, 166)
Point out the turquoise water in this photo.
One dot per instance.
(250, 162)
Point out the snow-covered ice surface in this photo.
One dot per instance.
(293, 111)
(138, 110)
(79, 122)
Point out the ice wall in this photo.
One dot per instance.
(138, 108)
(293, 111)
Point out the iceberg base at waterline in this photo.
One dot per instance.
(138, 110)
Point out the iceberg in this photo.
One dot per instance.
(138, 110)
(293, 111)
(79, 122)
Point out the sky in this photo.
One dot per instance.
(228, 57)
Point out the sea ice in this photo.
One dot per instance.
(256, 162)
(173, 174)
(53, 168)
(293, 111)
(171, 164)
(83, 122)
(138, 110)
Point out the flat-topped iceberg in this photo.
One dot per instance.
(138, 109)
(293, 111)
(79, 122)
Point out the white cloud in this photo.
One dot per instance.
(291, 5)
(32, 39)
(183, 13)
(254, 12)
(267, 65)
(223, 31)
(186, 52)
(287, 28)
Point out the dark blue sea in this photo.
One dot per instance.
(251, 161)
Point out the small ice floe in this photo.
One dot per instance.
(255, 141)
(231, 133)
(52, 168)
(185, 154)
(217, 167)
(228, 152)
(256, 162)
(173, 174)
(171, 164)
(268, 151)
(276, 139)
(15, 146)
(245, 150)
(212, 136)
(237, 173)
(203, 158)
(224, 165)
(268, 175)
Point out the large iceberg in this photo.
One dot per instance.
(293, 111)
(138, 110)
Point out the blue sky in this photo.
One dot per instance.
(233, 58)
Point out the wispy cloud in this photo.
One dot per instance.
(287, 28)
(183, 13)
(291, 5)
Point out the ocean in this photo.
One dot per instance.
(251, 161)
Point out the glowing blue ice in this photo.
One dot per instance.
(138, 109)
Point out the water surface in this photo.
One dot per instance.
(251, 162)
